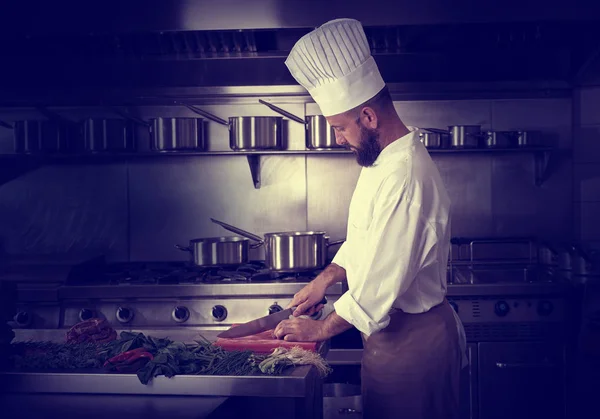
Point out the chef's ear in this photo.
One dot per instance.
(369, 117)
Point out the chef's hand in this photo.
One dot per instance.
(307, 297)
(299, 330)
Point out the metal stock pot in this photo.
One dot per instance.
(249, 132)
(319, 134)
(292, 251)
(172, 134)
(461, 136)
(218, 251)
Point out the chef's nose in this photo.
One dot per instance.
(339, 138)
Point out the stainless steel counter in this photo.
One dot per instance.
(282, 288)
(296, 383)
(195, 396)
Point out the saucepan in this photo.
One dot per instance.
(110, 134)
(56, 134)
(432, 139)
(173, 134)
(291, 251)
(319, 134)
(462, 136)
(248, 133)
(500, 139)
(218, 251)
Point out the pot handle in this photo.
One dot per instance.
(283, 112)
(205, 114)
(183, 248)
(6, 125)
(333, 243)
(436, 130)
(129, 117)
(238, 231)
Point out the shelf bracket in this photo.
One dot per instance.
(254, 164)
(542, 166)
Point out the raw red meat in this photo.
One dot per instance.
(263, 343)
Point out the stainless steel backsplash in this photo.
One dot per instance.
(139, 210)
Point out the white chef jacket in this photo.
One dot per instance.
(398, 239)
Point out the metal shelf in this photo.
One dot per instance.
(13, 165)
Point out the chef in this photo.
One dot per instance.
(398, 238)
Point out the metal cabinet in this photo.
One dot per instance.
(521, 380)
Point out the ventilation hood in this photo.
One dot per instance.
(179, 43)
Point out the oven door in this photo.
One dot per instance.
(521, 380)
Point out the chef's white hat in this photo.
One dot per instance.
(335, 65)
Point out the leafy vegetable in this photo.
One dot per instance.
(161, 357)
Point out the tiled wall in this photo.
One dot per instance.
(141, 209)
(587, 164)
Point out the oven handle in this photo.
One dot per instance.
(505, 365)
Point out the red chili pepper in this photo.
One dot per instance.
(129, 361)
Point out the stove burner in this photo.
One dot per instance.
(173, 273)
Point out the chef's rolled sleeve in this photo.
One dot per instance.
(338, 259)
(396, 246)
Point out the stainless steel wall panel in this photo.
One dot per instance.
(330, 182)
(468, 180)
(62, 209)
(173, 199)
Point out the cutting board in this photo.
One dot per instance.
(263, 342)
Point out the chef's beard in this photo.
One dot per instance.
(369, 148)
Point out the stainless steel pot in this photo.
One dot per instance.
(173, 134)
(461, 136)
(529, 138)
(55, 135)
(217, 251)
(319, 134)
(292, 251)
(248, 133)
(431, 139)
(178, 134)
(465, 136)
(110, 135)
(499, 139)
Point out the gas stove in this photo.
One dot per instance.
(184, 273)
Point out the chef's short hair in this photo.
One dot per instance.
(381, 102)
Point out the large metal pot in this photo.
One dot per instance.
(529, 138)
(248, 133)
(499, 139)
(461, 136)
(178, 134)
(319, 134)
(173, 134)
(55, 135)
(108, 135)
(217, 251)
(434, 139)
(292, 251)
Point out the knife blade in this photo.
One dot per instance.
(261, 324)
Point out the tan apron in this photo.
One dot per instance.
(411, 369)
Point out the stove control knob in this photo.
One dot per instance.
(180, 314)
(453, 305)
(23, 319)
(86, 314)
(219, 313)
(545, 308)
(124, 314)
(275, 308)
(501, 308)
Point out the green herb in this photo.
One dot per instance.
(170, 358)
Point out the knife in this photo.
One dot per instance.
(261, 324)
